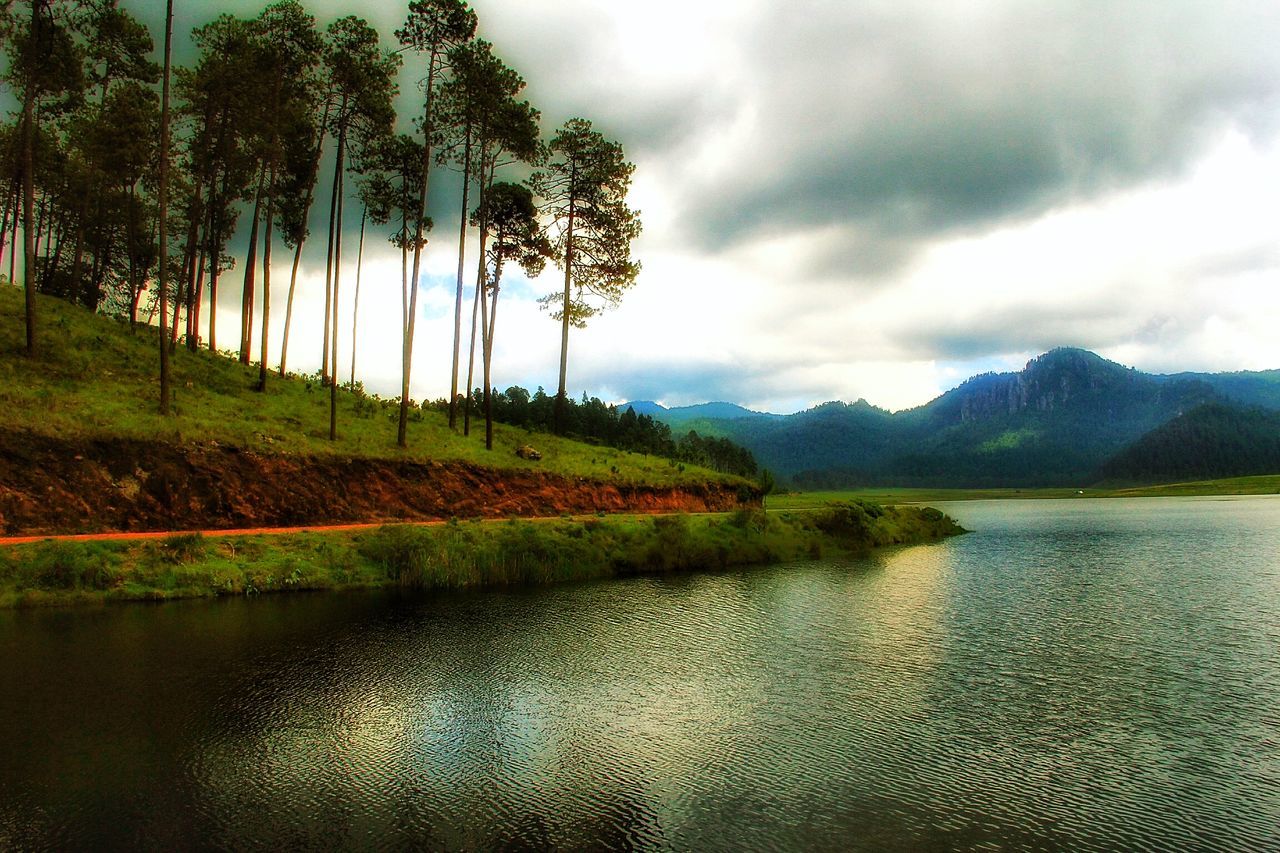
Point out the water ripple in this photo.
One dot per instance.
(1074, 674)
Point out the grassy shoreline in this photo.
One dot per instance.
(456, 555)
(1259, 485)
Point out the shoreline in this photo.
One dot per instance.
(475, 554)
(1267, 484)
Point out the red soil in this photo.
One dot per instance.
(49, 487)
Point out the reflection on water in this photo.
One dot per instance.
(1074, 673)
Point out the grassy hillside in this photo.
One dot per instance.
(95, 377)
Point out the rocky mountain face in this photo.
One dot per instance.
(1068, 382)
(1055, 422)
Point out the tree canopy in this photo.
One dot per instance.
(111, 217)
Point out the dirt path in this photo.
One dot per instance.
(276, 531)
(161, 534)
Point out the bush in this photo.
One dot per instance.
(73, 565)
(401, 550)
(850, 522)
(182, 548)
(749, 518)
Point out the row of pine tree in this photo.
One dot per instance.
(127, 206)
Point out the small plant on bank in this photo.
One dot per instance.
(182, 548)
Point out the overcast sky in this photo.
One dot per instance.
(876, 199)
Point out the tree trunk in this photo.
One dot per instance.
(336, 228)
(197, 292)
(13, 242)
(471, 364)
(179, 297)
(197, 299)
(9, 199)
(214, 270)
(86, 297)
(355, 310)
(42, 219)
(404, 276)
(130, 240)
(406, 362)
(29, 187)
(326, 373)
(478, 307)
(250, 268)
(288, 308)
(488, 356)
(457, 305)
(564, 324)
(57, 237)
(297, 253)
(189, 257)
(164, 208)
(266, 281)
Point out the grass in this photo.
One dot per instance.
(95, 377)
(1261, 485)
(1266, 484)
(455, 555)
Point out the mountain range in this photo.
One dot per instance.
(1059, 421)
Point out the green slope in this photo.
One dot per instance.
(1210, 442)
(94, 377)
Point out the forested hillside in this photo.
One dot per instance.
(1209, 442)
(1054, 423)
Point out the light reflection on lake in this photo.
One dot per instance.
(1084, 674)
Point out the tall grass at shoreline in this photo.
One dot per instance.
(456, 555)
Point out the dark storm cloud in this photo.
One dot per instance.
(562, 49)
(886, 120)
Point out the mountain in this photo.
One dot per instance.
(1055, 422)
(1211, 441)
(681, 415)
(1052, 423)
(1248, 388)
(832, 435)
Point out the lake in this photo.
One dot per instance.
(1086, 674)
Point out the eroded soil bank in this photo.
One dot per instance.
(50, 486)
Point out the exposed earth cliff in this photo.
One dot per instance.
(80, 486)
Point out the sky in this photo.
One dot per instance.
(871, 199)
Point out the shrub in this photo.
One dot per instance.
(401, 550)
(182, 548)
(849, 521)
(73, 565)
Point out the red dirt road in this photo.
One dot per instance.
(273, 531)
(161, 534)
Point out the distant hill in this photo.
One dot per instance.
(1209, 442)
(1052, 423)
(1055, 422)
(680, 415)
(1248, 388)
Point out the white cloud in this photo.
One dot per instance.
(876, 200)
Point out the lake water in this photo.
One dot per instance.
(1077, 674)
